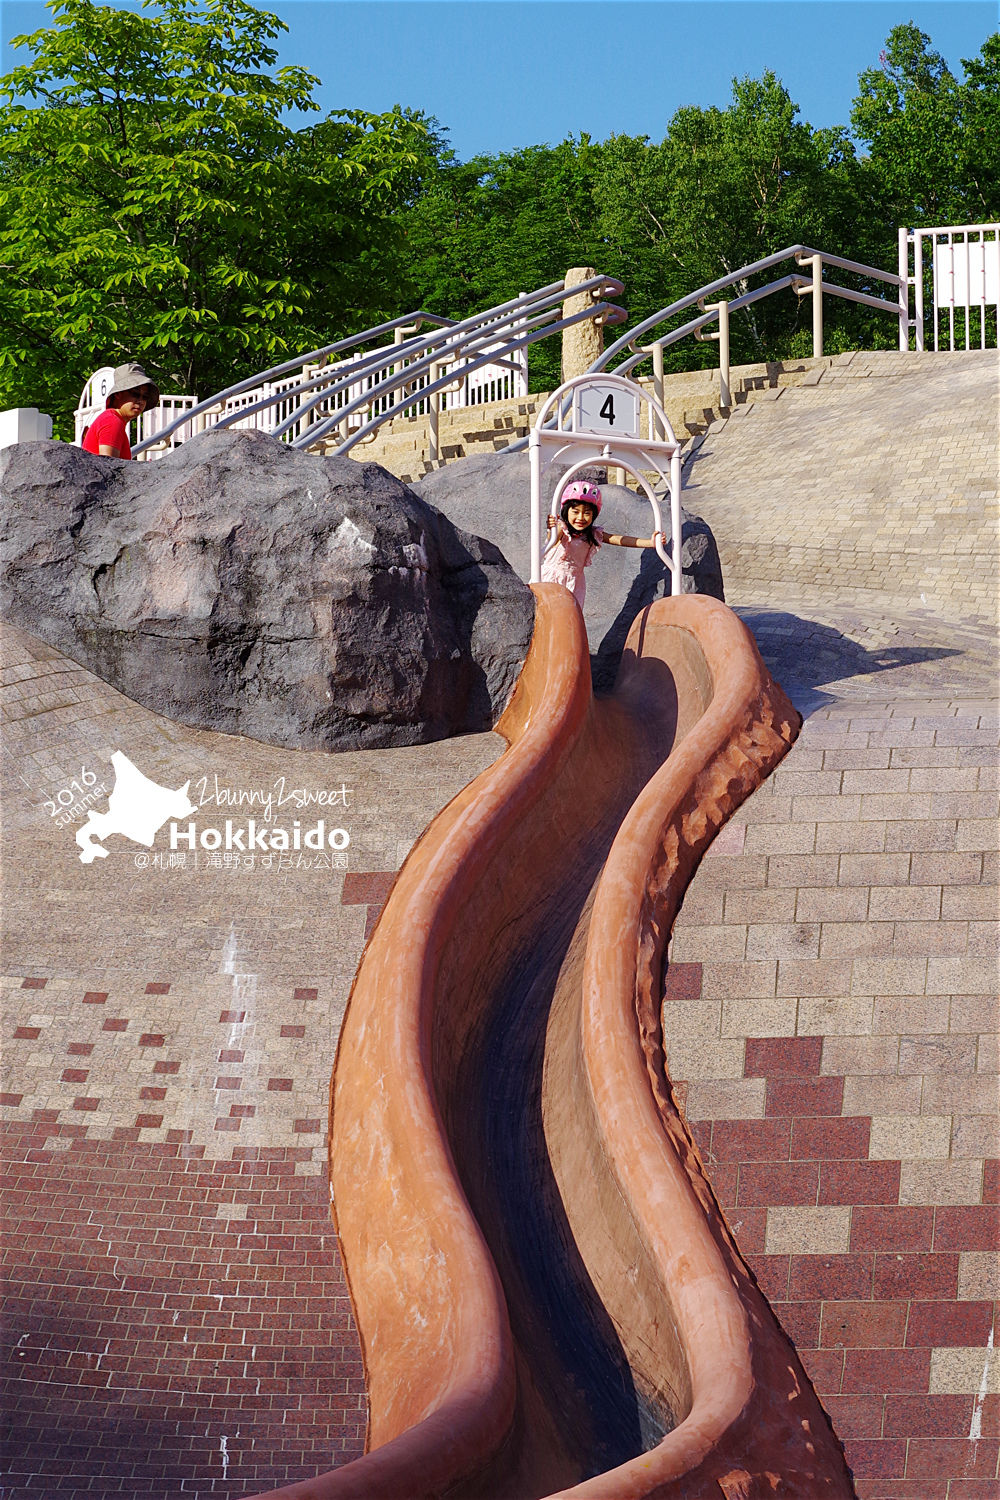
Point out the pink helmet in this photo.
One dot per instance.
(583, 492)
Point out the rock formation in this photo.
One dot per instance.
(240, 586)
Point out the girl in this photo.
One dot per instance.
(577, 539)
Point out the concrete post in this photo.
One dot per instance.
(582, 343)
(23, 424)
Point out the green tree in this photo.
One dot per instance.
(154, 204)
(481, 232)
(725, 188)
(933, 142)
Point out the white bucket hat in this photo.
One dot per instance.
(132, 377)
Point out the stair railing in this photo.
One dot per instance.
(814, 286)
(471, 357)
(395, 377)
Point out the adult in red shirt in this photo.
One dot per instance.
(132, 392)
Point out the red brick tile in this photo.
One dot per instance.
(905, 1229)
(162, 1066)
(243, 1111)
(118, 1023)
(232, 1017)
(800, 1320)
(949, 1324)
(973, 1489)
(796, 1096)
(751, 1140)
(748, 1227)
(863, 1325)
(855, 1416)
(152, 1093)
(908, 1276)
(876, 1458)
(80, 1049)
(27, 1033)
(151, 1039)
(975, 1227)
(682, 982)
(771, 1274)
(33, 984)
(95, 997)
(86, 1103)
(148, 1122)
(362, 887)
(859, 1182)
(230, 1124)
(279, 1085)
(991, 1181)
(307, 1127)
(75, 1075)
(11, 1100)
(900, 1489)
(831, 1277)
(229, 1083)
(845, 1139)
(825, 1368)
(305, 994)
(945, 1458)
(295, 1031)
(723, 1177)
(701, 1134)
(231, 1055)
(886, 1370)
(157, 988)
(776, 1183)
(771, 1056)
(928, 1416)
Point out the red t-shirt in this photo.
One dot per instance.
(110, 430)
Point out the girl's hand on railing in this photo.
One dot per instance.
(551, 522)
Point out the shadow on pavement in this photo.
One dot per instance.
(803, 655)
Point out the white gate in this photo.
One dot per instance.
(957, 271)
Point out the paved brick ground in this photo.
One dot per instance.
(177, 1316)
(831, 1010)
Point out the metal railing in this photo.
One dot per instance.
(814, 286)
(305, 400)
(957, 270)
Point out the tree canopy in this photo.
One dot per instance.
(156, 204)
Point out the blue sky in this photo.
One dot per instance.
(500, 74)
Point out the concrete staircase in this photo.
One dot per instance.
(691, 401)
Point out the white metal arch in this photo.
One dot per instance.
(627, 449)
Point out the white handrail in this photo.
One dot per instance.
(375, 380)
(800, 253)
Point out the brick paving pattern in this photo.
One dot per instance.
(830, 1015)
(177, 1316)
(831, 1011)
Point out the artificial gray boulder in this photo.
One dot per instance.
(490, 494)
(238, 585)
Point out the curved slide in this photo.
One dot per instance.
(549, 1299)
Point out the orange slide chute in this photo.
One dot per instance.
(549, 1299)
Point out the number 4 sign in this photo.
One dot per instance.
(605, 408)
